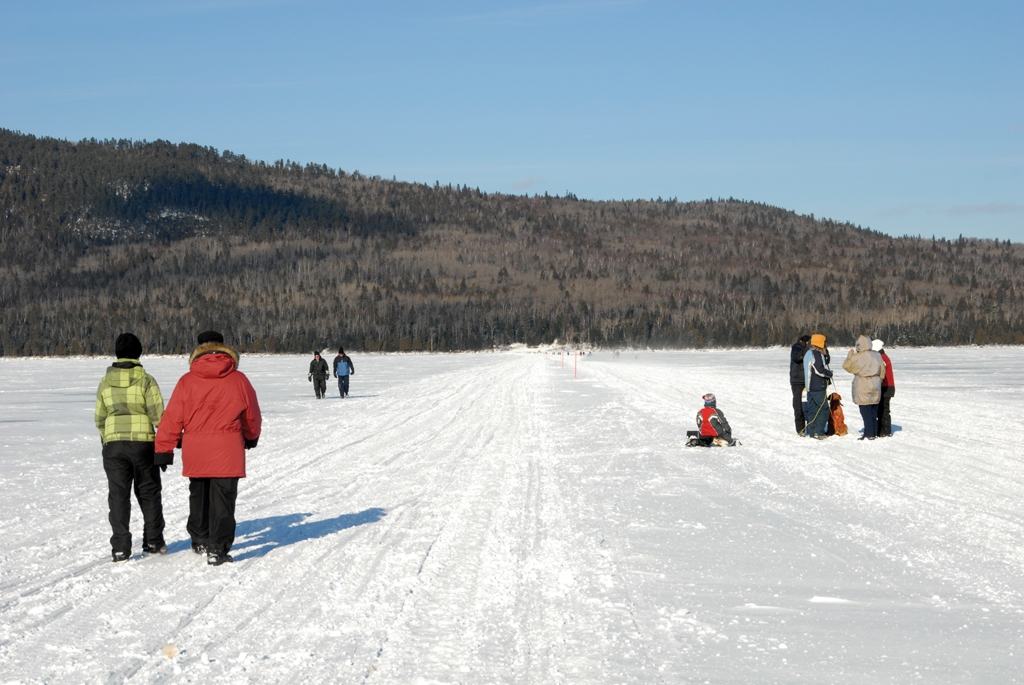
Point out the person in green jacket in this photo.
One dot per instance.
(128, 405)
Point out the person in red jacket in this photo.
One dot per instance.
(888, 392)
(214, 416)
(712, 427)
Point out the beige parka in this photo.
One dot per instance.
(868, 370)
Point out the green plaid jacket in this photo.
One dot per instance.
(128, 403)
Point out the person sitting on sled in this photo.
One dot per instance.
(712, 427)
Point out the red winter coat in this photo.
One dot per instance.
(213, 410)
(712, 424)
(889, 381)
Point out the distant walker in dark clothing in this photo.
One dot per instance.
(318, 373)
(796, 380)
(343, 368)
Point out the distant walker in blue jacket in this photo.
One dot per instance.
(343, 368)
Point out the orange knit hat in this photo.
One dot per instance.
(818, 340)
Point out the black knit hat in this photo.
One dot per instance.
(127, 346)
(210, 336)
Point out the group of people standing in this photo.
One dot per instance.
(342, 369)
(810, 375)
(213, 416)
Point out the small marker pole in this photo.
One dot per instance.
(574, 366)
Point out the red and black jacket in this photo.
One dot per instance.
(712, 424)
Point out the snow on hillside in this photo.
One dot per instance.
(482, 518)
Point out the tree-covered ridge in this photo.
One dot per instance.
(164, 239)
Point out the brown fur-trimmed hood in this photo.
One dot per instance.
(212, 348)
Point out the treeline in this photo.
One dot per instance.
(102, 236)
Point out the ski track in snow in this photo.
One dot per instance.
(482, 518)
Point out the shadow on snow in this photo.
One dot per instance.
(258, 537)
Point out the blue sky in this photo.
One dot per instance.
(905, 117)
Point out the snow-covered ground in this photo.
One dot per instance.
(487, 518)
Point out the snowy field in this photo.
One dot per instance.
(487, 518)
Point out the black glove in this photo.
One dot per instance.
(163, 467)
(249, 444)
(163, 459)
(309, 377)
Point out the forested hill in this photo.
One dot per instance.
(97, 237)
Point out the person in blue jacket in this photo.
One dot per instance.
(343, 368)
(817, 376)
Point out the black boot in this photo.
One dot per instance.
(217, 558)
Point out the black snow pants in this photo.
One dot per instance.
(884, 418)
(129, 464)
(211, 512)
(320, 386)
(343, 386)
(798, 407)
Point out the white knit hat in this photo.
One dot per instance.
(877, 345)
